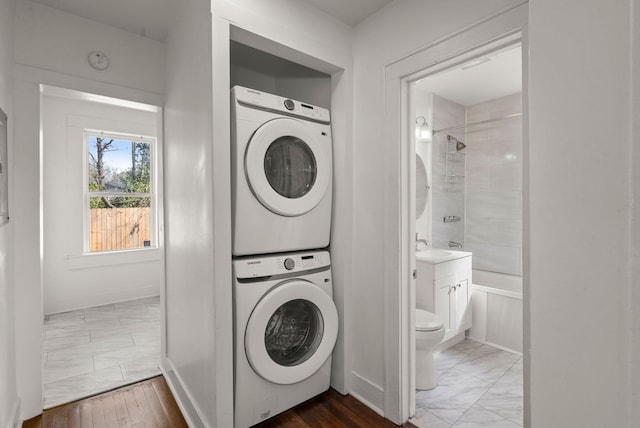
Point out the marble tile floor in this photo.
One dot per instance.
(93, 350)
(478, 386)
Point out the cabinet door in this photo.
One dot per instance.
(444, 288)
(462, 308)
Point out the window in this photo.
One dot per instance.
(120, 192)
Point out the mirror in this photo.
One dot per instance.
(4, 170)
(422, 187)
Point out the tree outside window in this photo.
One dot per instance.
(120, 194)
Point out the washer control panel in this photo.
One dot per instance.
(256, 267)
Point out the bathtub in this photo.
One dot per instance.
(496, 301)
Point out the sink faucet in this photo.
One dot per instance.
(424, 241)
(455, 244)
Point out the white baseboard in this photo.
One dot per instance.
(503, 348)
(187, 405)
(367, 392)
(14, 417)
(98, 299)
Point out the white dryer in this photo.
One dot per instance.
(281, 174)
(285, 328)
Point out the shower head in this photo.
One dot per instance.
(459, 144)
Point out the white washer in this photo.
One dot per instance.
(285, 328)
(281, 174)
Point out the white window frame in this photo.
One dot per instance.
(153, 144)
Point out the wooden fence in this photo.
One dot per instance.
(119, 228)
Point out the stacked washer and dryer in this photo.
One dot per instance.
(285, 320)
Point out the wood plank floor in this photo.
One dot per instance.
(330, 409)
(151, 404)
(144, 404)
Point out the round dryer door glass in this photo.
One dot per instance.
(293, 332)
(290, 167)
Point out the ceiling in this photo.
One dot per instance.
(148, 18)
(493, 76)
(351, 12)
(153, 18)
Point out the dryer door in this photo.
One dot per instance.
(287, 168)
(291, 332)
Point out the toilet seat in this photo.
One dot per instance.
(427, 321)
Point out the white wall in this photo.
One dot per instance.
(389, 35)
(8, 392)
(55, 67)
(189, 213)
(73, 280)
(579, 213)
(256, 69)
(25, 215)
(634, 297)
(60, 42)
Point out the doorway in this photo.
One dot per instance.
(453, 51)
(470, 207)
(103, 260)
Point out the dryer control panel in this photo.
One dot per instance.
(262, 100)
(278, 264)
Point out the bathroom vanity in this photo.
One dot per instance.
(442, 287)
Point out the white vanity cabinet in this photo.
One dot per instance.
(442, 287)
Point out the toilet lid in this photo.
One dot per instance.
(426, 321)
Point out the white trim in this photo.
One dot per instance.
(54, 91)
(221, 174)
(110, 297)
(154, 183)
(14, 420)
(114, 258)
(28, 92)
(65, 81)
(477, 39)
(368, 393)
(495, 290)
(180, 393)
(494, 345)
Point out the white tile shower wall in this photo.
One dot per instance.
(447, 192)
(494, 186)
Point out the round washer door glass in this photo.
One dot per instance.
(291, 332)
(294, 332)
(288, 166)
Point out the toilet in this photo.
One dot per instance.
(429, 334)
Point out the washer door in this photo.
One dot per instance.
(291, 332)
(287, 169)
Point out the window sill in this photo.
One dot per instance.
(113, 258)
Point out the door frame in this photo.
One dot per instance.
(500, 30)
(28, 272)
